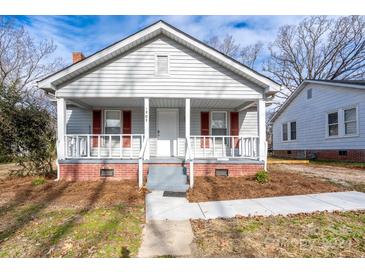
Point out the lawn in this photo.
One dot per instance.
(357, 165)
(281, 183)
(339, 234)
(76, 219)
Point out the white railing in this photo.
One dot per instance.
(140, 163)
(99, 146)
(189, 157)
(208, 146)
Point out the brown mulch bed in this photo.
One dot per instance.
(281, 184)
(18, 191)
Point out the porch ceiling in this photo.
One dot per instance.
(159, 102)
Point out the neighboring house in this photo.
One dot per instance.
(159, 98)
(322, 119)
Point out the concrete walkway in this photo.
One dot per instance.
(159, 207)
(166, 238)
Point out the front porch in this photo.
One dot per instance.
(143, 131)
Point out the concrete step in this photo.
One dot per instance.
(167, 178)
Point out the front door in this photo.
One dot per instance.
(167, 131)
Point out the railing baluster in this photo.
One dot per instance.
(88, 146)
(194, 146)
(213, 146)
(120, 146)
(204, 146)
(131, 148)
(223, 148)
(233, 144)
(99, 149)
(110, 146)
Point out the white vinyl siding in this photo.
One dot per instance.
(134, 75)
(312, 115)
(78, 120)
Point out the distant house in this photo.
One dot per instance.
(163, 103)
(322, 119)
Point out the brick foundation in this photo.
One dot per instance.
(91, 172)
(353, 155)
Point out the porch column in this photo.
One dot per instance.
(147, 126)
(187, 119)
(261, 129)
(61, 128)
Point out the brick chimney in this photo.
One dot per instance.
(77, 57)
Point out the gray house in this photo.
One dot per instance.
(159, 101)
(324, 120)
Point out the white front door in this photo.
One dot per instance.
(167, 131)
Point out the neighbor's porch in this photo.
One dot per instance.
(131, 128)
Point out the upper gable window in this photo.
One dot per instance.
(162, 65)
(309, 93)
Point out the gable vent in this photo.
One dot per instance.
(162, 65)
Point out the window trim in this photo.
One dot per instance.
(356, 121)
(168, 64)
(211, 121)
(288, 129)
(341, 122)
(338, 124)
(120, 119)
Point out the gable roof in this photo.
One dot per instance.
(51, 82)
(358, 84)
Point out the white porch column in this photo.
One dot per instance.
(187, 119)
(147, 126)
(61, 128)
(261, 129)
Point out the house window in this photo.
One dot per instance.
(162, 65)
(219, 123)
(333, 124)
(285, 132)
(112, 121)
(309, 93)
(350, 121)
(293, 130)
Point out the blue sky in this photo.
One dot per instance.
(92, 33)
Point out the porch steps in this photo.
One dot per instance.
(167, 178)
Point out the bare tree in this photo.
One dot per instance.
(318, 48)
(23, 61)
(227, 46)
(249, 54)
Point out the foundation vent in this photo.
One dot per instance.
(106, 172)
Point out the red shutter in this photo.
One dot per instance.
(96, 126)
(127, 127)
(234, 127)
(204, 126)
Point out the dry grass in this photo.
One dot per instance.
(70, 219)
(339, 234)
(281, 183)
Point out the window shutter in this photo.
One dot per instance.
(234, 127)
(127, 127)
(96, 126)
(204, 128)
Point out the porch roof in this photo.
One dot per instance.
(160, 102)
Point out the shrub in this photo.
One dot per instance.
(38, 181)
(262, 177)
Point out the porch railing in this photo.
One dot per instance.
(119, 146)
(208, 146)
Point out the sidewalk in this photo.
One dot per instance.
(159, 207)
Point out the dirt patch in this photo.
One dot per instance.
(19, 191)
(348, 177)
(281, 184)
(338, 234)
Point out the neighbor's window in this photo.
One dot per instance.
(350, 121)
(285, 132)
(112, 122)
(309, 93)
(293, 130)
(333, 124)
(219, 123)
(162, 66)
